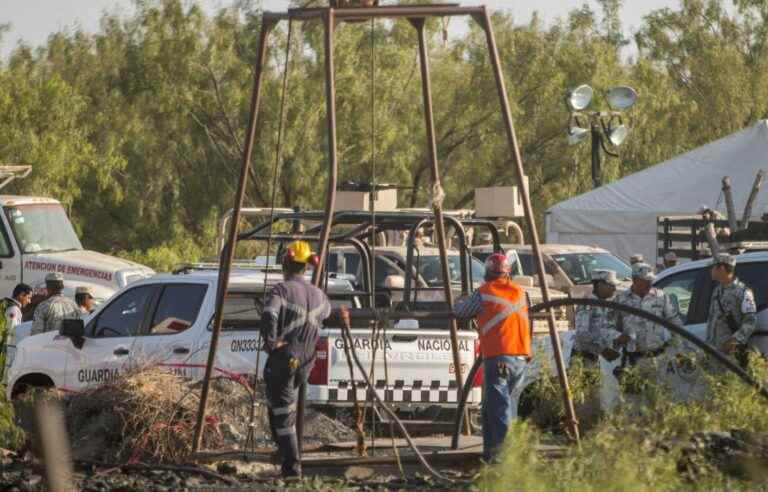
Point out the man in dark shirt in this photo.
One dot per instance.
(294, 311)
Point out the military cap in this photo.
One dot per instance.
(84, 290)
(54, 277)
(607, 276)
(643, 271)
(636, 259)
(724, 259)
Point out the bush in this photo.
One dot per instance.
(650, 446)
(11, 436)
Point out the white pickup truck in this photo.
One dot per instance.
(166, 319)
(37, 238)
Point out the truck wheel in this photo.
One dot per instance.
(29, 382)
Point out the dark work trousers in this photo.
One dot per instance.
(283, 385)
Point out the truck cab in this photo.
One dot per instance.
(570, 266)
(37, 238)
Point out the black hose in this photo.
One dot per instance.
(391, 414)
(677, 330)
(463, 402)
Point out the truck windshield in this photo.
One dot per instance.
(430, 270)
(42, 228)
(512, 256)
(579, 266)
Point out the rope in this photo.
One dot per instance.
(250, 441)
(359, 420)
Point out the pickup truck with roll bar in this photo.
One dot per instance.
(418, 354)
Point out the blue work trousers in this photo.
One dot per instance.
(503, 378)
(283, 383)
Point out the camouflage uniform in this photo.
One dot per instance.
(51, 312)
(737, 299)
(732, 313)
(594, 328)
(646, 336)
(645, 351)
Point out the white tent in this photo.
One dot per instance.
(621, 216)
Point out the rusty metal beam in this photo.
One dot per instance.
(333, 175)
(229, 250)
(485, 22)
(389, 11)
(437, 192)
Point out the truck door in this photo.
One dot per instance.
(10, 259)
(172, 338)
(111, 337)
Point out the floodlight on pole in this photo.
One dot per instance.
(577, 135)
(578, 99)
(617, 135)
(621, 97)
(602, 127)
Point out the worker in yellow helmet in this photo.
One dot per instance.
(294, 311)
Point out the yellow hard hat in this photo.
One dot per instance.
(299, 252)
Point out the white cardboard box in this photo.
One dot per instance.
(359, 200)
(499, 201)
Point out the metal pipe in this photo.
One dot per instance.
(330, 101)
(330, 199)
(244, 212)
(229, 252)
(485, 23)
(729, 206)
(518, 231)
(386, 11)
(464, 256)
(418, 23)
(597, 178)
(752, 197)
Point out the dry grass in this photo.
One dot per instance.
(146, 415)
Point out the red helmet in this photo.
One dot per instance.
(497, 264)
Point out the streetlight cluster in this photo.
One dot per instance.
(601, 126)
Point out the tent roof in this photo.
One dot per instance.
(682, 184)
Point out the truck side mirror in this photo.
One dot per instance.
(75, 330)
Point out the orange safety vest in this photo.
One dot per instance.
(503, 320)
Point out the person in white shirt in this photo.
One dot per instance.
(12, 306)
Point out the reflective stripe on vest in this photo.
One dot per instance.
(503, 323)
(510, 308)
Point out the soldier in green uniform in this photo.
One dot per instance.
(732, 310)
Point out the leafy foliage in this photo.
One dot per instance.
(637, 447)
(139, 128)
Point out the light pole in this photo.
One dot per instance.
(600, 126)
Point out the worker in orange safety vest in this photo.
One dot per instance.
(500, 309)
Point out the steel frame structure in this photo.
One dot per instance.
(416, 15)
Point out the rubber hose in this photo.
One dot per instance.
(463, 402)
(677, 330)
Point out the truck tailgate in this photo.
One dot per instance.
(419, 370)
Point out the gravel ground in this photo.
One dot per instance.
(24, 473)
